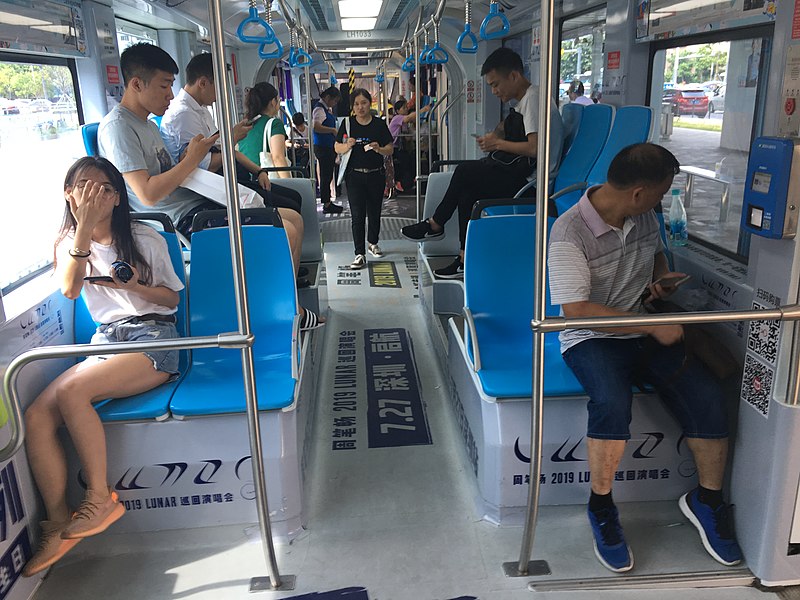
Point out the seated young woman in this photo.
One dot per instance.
(96, 232)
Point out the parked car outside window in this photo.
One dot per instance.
(687, 101)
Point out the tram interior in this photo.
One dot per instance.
(396, 439)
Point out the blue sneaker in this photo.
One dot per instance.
(715, 528)
(609, 542)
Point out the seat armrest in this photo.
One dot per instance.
(570, 188)
(473, 339)
(440, 163)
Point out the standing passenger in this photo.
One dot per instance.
(96, 232)
(368, 140)
(605, 254)
(324, 127)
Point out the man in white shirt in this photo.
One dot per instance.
(188, 115)
(575, 93)
(512, 149)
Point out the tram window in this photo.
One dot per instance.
(39, 139)
(129, 34)
(581, 54)
(709, 93)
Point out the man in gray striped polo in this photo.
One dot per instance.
(605, 258)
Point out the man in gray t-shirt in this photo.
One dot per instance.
(134, 146)
(605, 259)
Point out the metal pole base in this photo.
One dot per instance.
(536, 568)
(263, 584)
(705, 579)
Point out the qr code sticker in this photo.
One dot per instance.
(757, 384)
(762, 339)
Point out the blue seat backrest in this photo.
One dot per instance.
(571, 115)
(631, 126)
(157, 120)
(498, 290)
(270, 287)
(590, 138)
(89, 133)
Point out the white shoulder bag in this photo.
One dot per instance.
(344, 158)
(265, 157)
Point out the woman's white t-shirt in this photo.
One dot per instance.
(107, 304)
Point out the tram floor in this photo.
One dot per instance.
(388, 517)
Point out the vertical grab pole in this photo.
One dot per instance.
(526, 567)
(310, 128)
(224, 118)
(417, 136)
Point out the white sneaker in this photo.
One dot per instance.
(359, 263)
(375, 250)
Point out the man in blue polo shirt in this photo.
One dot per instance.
(605, 259)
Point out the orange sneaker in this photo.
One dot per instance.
(95, 514)
(51, 547)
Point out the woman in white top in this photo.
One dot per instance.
(95, 233)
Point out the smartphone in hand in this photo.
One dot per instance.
(672, 281)
(253, 120)
(100, 278)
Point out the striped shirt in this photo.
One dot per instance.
(589, 260)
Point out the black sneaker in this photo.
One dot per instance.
(332, 209)
(421, 231)
(302, 271)
(454, 270)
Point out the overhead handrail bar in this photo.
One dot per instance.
(225, 114)
(467, 34)
(450, 105)
(253, 18)
(11, 400)
(277, 52)
(494, 14)
(525, 567)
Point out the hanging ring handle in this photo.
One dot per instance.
(302, 58)
(253, 19)
(276, 53)
(467, 34)
(443, 57)
(423, 56)
(409, 65)
(494, 13)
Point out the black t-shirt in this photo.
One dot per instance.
(375, 131)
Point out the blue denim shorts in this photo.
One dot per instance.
(142, 331)
(608, 368)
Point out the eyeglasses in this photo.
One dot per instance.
(108, 189)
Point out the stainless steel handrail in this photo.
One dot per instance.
(224, 115)
(312, 172)
(431, 112)
(444, 141)
(417, 138)
(524, 567)
(11, 400)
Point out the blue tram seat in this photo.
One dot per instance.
(631, 126)
(587, 144)
(214, 384)
(500, 338)
(153, 404)
(89, 133)
(571, 116)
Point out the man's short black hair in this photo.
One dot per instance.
(642, 164)
(576, 87)
(503, 60)
(143, 60)
(298, 118)
(201, 65)
(331, 92)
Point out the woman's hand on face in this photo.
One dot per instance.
(93, 205)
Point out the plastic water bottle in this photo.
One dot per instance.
(678, 234)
